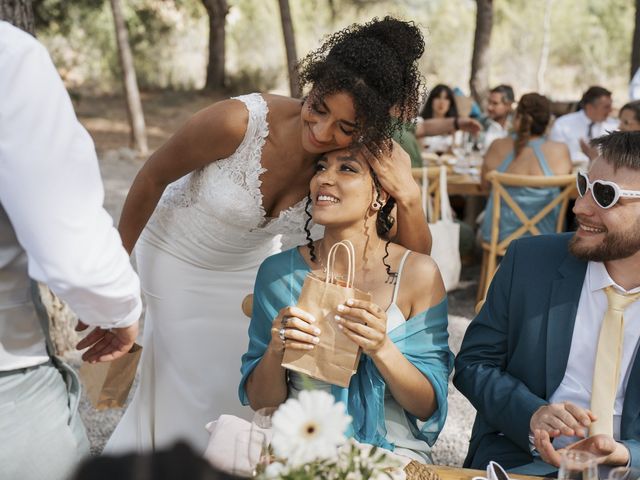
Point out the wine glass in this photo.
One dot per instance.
(624, 473)
(259, 455)
(578, 465)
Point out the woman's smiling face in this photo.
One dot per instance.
(342, 189)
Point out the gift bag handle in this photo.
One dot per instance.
(331, 259)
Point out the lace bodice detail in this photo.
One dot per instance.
(217, 210)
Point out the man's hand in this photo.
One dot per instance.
(107, 345)
(562, 419)
(604, 447)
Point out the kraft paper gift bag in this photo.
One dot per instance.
(108, 383)
(335, 358)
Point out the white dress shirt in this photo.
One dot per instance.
(50, 187)
(572, 127)
(578, 378)
(494, 131)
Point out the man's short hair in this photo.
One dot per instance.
(619, 149)
(593, 94)
(506, 91)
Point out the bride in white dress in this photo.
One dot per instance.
(230, 189)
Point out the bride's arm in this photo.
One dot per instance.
(393, 169)
(209, 135)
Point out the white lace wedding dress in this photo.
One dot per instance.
(197, 259)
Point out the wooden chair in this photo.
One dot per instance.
(247, 305)
(432, 175)
(495, 248)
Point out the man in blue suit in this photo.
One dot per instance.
(529, 361)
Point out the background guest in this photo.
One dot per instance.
(527, 152)
(440, 104)
(590, 121)
(497, 122)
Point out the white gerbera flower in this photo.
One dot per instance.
(309, 428)
(275, 470)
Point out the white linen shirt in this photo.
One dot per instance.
(572, 127)
(50, 187)
(578, 377)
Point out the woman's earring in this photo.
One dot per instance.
(376, 205)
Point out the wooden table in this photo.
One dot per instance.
(456, 473)
(457, 183)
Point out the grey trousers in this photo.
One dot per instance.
(41, 434)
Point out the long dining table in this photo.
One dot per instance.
(458, 183)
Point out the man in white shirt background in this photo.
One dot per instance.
(53, 229)
(590, 121)
(551, 361)
(497, 123)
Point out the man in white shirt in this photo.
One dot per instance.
(499, 114)
(53, 229)
(589, 122)
(531, 361)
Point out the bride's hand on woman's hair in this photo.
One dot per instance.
(294, 328)
(365, 323)
(392, 166)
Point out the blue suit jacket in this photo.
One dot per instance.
(515, 352)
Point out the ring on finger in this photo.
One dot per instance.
(281, 334)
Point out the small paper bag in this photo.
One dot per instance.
(335, 358)
(108, 383)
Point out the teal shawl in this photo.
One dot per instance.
(422, 339)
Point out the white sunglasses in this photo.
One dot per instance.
(606, 194)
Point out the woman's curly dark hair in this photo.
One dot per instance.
(375, 63)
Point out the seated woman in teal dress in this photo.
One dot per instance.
(398, 396)
(527, 153)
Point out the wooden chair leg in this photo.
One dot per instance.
(481, 280)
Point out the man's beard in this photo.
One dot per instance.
(614, 246)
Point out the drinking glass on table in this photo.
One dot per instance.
(578, 465)
(259, 439)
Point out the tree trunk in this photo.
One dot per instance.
(217, 11)
(546, 41)
(635, 48)
(134, 105)
(480, 61)
(290, 46)
(18, 13)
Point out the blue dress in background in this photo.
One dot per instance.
(530, 200)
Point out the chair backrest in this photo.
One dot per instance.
(499, 184)
(247, 305)
(432, 177)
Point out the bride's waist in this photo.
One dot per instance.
(229, 250)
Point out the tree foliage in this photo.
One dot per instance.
(590, 40)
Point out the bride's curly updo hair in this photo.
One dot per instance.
(375, 63)
(534, 113)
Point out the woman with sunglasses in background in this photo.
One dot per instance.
(528, 152)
